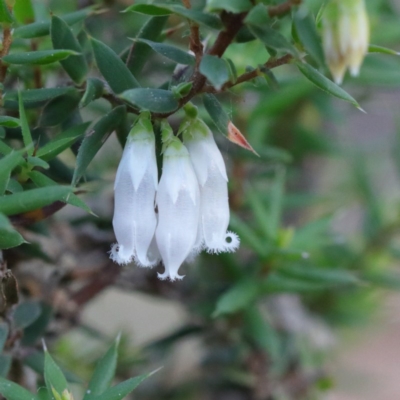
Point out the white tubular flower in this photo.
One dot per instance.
(345, 36)
(135, 188)
(178, 201)
(211, 174)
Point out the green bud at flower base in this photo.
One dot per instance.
(345, 36)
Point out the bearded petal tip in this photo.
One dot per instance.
(229, 245)
(119, 256)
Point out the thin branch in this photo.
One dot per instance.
(283, 8)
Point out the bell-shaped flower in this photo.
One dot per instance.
(345, 36)
(211, 174)
(178, 202)
(135, 188)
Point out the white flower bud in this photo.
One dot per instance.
(345, 36)
(178, 201)
(135, 188)
(211, 174)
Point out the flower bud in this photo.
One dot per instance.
(345, 36)
(211, 174)
(135, 188)
(178, 201)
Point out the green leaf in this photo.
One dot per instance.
(276, 283)
(92, 143)
(38, 57)
(209, 20)
(372, 48)
(94, 90)
(9, 122)
(103, 373)
(238, 297)
(53, 375)
(217, 113)
(171, 52)
(325, 84)
(61, 142)
(114, 71)
(14, 186)
(42, 28)
(215, 69)
(63, 38)
(36, 331)
(26, 313)
(12, 391)
(276, 202)
(155, 100)
(26, 133)
(5, 14)
(308, 35)
(234, 6)
(138, 55)
(9, 237)
(33, 199)
(23, 11)
(5, 364)
(121, 390)
(57, 110)
(7, 164)
(3, 335)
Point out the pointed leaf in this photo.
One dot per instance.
(9, 237)
(217, 113)
(372, 48)
(63, 38)
(26, 133)
(26, 313)
(325, 84)
(53, 375)
(5, 14)
(95, 139)
(9, 122)
(215, 70)
(23, 11)
(7, 164)
(38, 57)
(12, 391)
(155, 100)
(57, 110)
(94, 90)
(114, 71)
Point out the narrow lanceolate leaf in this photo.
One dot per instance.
(237, 137)
(26, 133)
(114, 71)
(38, 57)
(95, 139)
(121, 390)
(372, 48)
(307, 33)
(234, 6)
(9, 122)
(155, 100)
(103, 373)
(325, 84)
(42, 28)
(94, 90)
(3, 335)
(9, 237)
(53, 375)
(7, 164)
(63, 38)
(5, 14)
(215, 70)
(57, 110)
(61, 142)
(33, 199)
(12, 391)
(171, 52)
(216, 112)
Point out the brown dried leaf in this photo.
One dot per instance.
(235, 136)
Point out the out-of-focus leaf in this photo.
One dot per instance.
(5, 14)
(276, 202)
(238, 297)
(276, 283)
(9, 237)
(215, 70)
(63, 38)
(7, 164)
(325, 84)
(234, 6)
(37, 162)
(12, 391)
(9, 122)
(14, 186)
(26, 133)
(23, 11)
(5, 149)
(103, 373)
(38, 57)
(33, 199)
(53, 375)
(121, 390)
(306, 30)
(36, 330)
(138, 56)
(42, 28)
(3, 335)
(58, 109)
(61, 142)
(5, 364)
(26, 313)
(372, 48)
(149, 9)
(114, 71)
(155, 100)
(95, 139)
(171, 52)
(216, 112)
(94, 90)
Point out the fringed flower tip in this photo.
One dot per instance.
(229, 245)
(119, 255)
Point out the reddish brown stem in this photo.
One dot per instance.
(283, 8)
